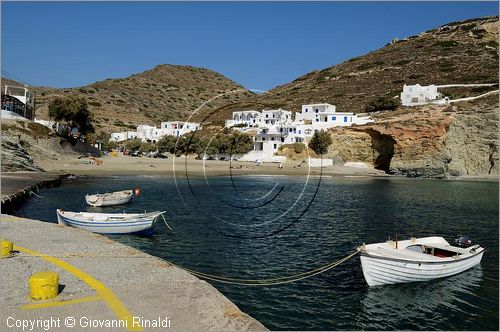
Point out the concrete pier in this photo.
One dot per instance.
(102, 283)
(16, 186)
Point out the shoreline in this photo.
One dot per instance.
(181, 166)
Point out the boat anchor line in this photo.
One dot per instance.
(165, 222)
(270, 281)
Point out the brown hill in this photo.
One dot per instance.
(166, 92)
(459, 52)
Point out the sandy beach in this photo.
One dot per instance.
(125, 165)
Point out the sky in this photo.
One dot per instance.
(258, 45)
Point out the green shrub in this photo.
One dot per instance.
(320, 142)
(446, 43)
(95, 103)
(382, 104)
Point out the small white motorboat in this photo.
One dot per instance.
(109, 199)
(417, 259)
(110, 223)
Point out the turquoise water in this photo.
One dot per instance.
(262, 227)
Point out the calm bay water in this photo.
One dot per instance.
(263, 227)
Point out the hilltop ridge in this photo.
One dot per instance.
(455, 53)
(165, 92)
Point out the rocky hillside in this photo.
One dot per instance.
(430, 141)
(27, 145)
(166, 92)
(433, 141)
(459, 52)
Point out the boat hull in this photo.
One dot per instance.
(382, 271)
(108, 200)
(141, 226)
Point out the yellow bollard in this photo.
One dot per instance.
(6, 249)
(44, 285)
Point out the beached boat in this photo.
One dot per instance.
(109, 223)
(108, 199)
(417, 259)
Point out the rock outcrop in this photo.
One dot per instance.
(15, 157)
(425, 142)
(26, 145)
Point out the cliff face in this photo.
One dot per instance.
(428, 142)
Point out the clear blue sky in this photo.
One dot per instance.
(259, 45)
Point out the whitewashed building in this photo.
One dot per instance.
(147, 133)
(178, 128)
(324, 116)
(123, 136)
(414, 95)
(248, 118)
(277, 127)
(255, 118)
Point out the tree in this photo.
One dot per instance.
(320, 142)
(133, 144)
(167, 144)
(147, 147)
(73, 112)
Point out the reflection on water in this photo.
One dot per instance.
(342, 214)
(418, 302)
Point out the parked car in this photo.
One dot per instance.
(159, 155)
(135, 153)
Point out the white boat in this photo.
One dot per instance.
(108, 199)
(417, 259)
(109, 223)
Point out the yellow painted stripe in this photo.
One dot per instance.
(60, 303)
(105, 293)
(9, 218)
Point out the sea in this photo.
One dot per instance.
(260, 227)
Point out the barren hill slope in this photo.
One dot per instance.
(166, 92)
(459, 52)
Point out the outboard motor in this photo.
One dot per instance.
(463, 241)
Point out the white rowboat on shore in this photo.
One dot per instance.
(417, 259)
(109, 199)
(109, 223)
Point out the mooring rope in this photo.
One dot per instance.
(270, 281)
(165, 222)
(221, 279)
(31, 191)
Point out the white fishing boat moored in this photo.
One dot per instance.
(110, 223)
(417, 259)
(109, 199)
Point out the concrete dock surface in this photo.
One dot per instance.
(102, 283)
(14, 183)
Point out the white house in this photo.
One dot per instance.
(275, 117)
(123, 136)
(276, 127)
(244, 117)
(147, 133)
(414, 95)
(324, 116)
(178, 128)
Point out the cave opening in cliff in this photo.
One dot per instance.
(383, 150)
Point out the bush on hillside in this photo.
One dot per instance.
(382, 104)
(320, 142)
